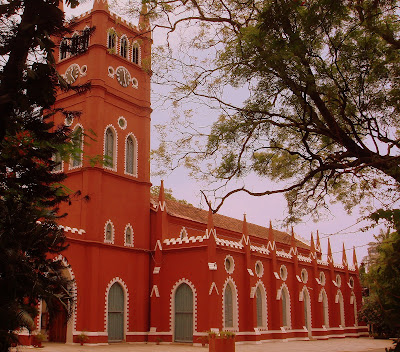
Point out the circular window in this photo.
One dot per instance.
(122, 122)
(69, 119)
(134, 82)
(83, 70)
(322, 278)
(111, 71)
(229, 264)
(351, 282)
(304, 275)
(259, 269)
(283, 272)
(338, 280)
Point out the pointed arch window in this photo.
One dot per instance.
(111, 40)
(124, 47)
(228, 307)
(130, 155)
(109, 148)
(325, 313)
(259, 302)
(63, 49)
(77, 144)
(341, 308)
(57, 162)
(135, 53)
(109, 233)
(285, 308)
(128, 236)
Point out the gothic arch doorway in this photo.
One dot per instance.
(116, 310)
(183, 314)
(55, 323)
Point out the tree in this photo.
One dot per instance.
(155, 191)
(322, 116)
(30, 191)
(382, 307)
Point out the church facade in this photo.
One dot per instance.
(151, 269)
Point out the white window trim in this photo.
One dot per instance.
(264, 305)
(135, 155)
(135, 44)
(288, 305)
(232, 261)
(126, 304)
(71, 161)
(132, 236)
(127, 47)
(172, 306)
(115, 159)
(112, 232)
(235, 302)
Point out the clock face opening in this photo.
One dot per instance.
(72, 73)
(123, 76)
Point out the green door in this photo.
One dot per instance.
(184, 314)
(116, 313)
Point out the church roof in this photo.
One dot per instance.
(189, 212)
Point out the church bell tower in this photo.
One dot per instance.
(108, 221)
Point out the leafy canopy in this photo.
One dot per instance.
(321, 119)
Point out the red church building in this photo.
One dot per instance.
(149, 269)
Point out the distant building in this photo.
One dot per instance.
(147, 269)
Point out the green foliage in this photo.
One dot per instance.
(155, 191)
(382, 308)
(322, 115)
(30, 192)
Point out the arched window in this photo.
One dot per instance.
(228, 302)
(307, 310)
(261, 307)
(57, 162)
(109, 148)
(63, 49)
(183, 329)
(109, 233)
(355, 310)
(128, 236)
(116, 312)
(111, 40)
(285, 307)
(130, 156)
(124, 47)
(77, 144)
(341, 308)
(135, 53)
(325, 313)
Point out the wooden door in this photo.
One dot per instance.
(183, 314)
(116, 304)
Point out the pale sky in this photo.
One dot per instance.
(339, 226)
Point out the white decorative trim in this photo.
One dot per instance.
(322, 278)
(111, 72)
(72, 229)
(183, 233)
(115, 39)
(112, 232)
(74, 290)
(155, 291)
(321, 296)
(283, 275)
(126, 303)
(261, 266)
(339, 299)
(83, 70)
(232, 264)
(125, 123)
(123, 36)
(213, 286)
(115, 158)
(135, 44)
(71, 161)
(264, 307)
(353, 302)
(235, 303)
(172, 305)
(304, 275)
(288, 304)
(338, 280)
(212, 266)
(156, 270)
(132, 236)
(307, 297)
(135, 155)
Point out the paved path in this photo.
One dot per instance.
(331, 345)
